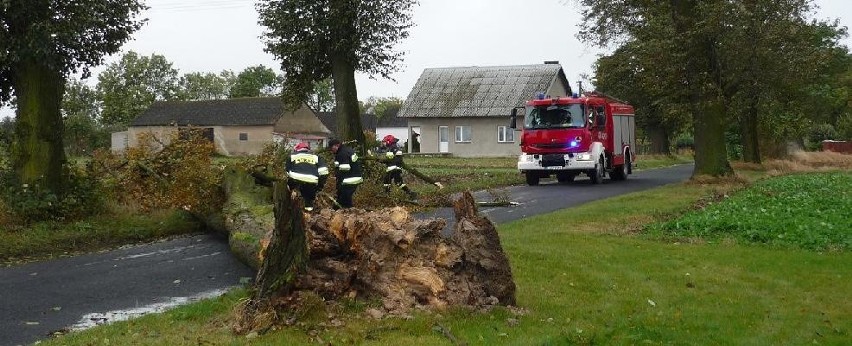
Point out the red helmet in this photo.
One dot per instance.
(302, 146)
(389, 139)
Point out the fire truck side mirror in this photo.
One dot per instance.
(513, 120)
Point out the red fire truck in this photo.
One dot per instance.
(590, 133)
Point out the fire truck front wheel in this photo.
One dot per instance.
(532, 178)
(597, 174)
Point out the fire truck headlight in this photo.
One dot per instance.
(584, 157)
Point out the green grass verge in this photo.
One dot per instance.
(48, 239)
(811, 211)
(581, 280)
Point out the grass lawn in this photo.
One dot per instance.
(586, 275)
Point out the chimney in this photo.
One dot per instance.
(551, 62)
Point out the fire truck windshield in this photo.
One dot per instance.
(547, 117)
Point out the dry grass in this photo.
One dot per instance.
(809, 162)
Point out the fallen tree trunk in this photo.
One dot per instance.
(385, 254)
(248, 215)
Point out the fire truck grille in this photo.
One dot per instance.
(550, 145)
(550, 160)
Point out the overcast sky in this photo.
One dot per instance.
(216, 35)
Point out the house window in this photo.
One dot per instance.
(243, 136)
(505, 134)
(462, 134)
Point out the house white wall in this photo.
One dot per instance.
(118, 141)
(483, 136)
(226, 139)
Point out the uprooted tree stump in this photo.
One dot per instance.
(386, 255)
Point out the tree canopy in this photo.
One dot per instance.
(64, 36)
(255, 81)
(730, 65)
(206, 85)
(315, 40)
(132, 84)
(41, 43)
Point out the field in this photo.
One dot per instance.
(619, 279)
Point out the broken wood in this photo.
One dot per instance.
(384, 255)
(286, 253)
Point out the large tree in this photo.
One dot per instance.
(41, 43)
(255, 81)
(772, 57)
(317, 39)
(206, 86)
(637, 73)
(733, 58)
(383, 106)
(80, 111)
(693, 33)
(132, 84)
(80, 100)
(322, 99)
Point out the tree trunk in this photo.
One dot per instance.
(711, 155)
(287, 253)
(749, 134)
(348, 113)
(702, 71)
(37, 152)
(343, 73)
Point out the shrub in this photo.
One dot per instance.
(685, 142)
(176, 173)
(33, 202)
(819, 133)
(844, 127)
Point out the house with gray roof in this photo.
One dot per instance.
(242, 126)
(465, 110)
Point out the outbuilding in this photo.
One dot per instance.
(241, 126)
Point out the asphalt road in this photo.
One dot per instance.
(551, 195)
(38, 299)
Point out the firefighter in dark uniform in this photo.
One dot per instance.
(390, 153)
(307, 173)
(348, 172)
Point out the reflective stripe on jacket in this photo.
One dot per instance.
(348, 166)
(306, 167)
(391, 156)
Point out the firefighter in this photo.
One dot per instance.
(390, 153)
(307, 172)
(348, 172)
